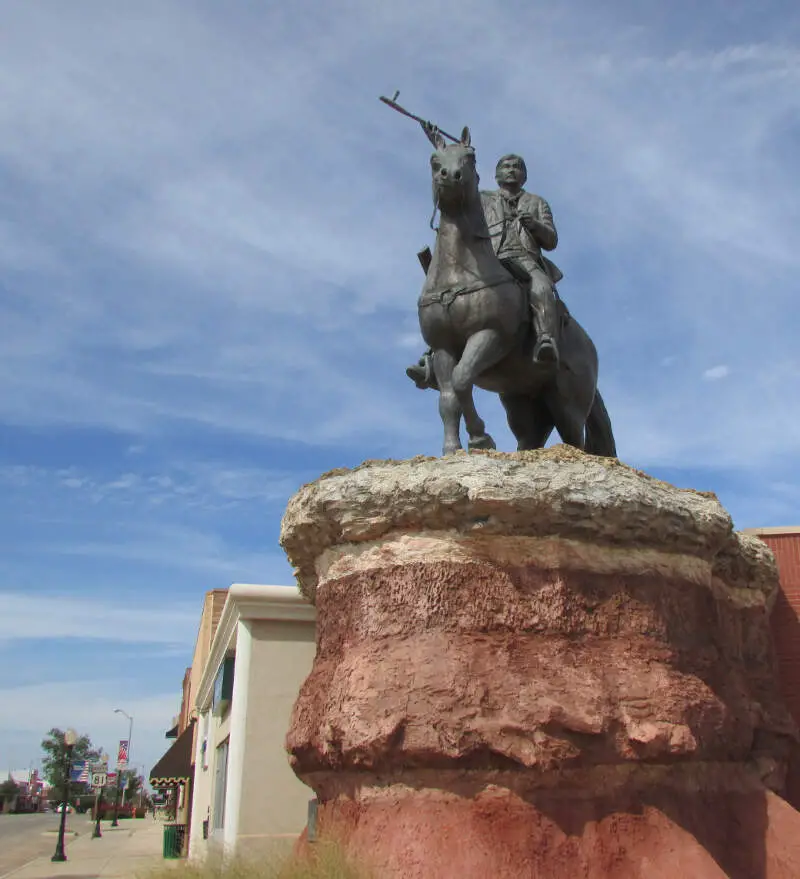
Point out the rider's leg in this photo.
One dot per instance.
(545, 317)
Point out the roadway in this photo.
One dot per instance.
(25, 837)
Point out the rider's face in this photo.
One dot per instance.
(510, 172)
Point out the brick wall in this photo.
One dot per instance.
(785, 543)
(213, 602)
(183, 720)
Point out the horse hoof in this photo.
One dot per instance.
(451, 450)
(484, 442)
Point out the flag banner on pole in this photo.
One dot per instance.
(79, 771)
(122, 753)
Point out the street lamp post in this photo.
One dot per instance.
(70, 737)
(115, 822)
(96, 833)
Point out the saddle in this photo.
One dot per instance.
(517, 272)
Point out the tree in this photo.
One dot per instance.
(8, 790)
(131, 784)
(53, 762)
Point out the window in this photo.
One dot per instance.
(223, 688)
(220, 785)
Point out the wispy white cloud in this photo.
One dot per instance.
(271, 255)
(86, 705)
(46, 616)
(172, 547)
(206, 485)
(715, 373)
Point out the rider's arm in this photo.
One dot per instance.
(542, 227)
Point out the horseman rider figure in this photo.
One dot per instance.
(521, 227)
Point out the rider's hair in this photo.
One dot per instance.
(512, 156)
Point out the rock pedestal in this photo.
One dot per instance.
(540, 664)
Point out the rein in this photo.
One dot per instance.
(449, 295)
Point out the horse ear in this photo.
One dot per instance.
(434, 135)
(466, 137)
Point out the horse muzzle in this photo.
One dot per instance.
(449, 191)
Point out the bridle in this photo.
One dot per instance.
(449, 295)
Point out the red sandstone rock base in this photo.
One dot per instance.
(667, 834)
(541, 665)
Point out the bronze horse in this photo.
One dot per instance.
(474, 315)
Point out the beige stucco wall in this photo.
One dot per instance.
(201, 785)
(271, 805)
(221, 730)
(274, 801)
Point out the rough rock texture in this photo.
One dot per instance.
(516, 645)
(725, 827)
(558, 491)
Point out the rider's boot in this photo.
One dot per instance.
(545, 322)
(421, 373)
(544, 309)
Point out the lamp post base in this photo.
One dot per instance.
(59, 856)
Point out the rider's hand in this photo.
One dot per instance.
(527, 219)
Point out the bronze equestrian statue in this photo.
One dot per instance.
(491, 316)
(521, 226)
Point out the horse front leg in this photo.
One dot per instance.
(482, 351)
(449, 406)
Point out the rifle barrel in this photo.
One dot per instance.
(395, 106)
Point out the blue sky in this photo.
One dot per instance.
(208, 229)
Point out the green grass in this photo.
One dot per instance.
(326, 860)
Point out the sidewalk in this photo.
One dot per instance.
(121, 852)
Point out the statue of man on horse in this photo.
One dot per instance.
(521, 226)
(487, 284)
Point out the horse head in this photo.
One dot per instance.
(454, 176)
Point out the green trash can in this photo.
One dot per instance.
(173, 840)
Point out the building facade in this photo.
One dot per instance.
(29, 791)
(173, 775)
(245, 796)
(785, 622)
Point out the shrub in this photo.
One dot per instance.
(326, 860)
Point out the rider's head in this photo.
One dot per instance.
(511, 170)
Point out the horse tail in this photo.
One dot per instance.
(599, 435)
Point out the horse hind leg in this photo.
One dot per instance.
(529, 419)
(482, 351)
(449, 406)
(599, 434)
(569, 422)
